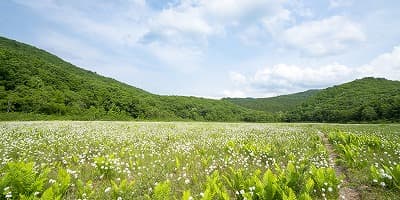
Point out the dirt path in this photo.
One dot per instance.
(345, 192)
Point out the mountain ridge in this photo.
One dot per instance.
(35, 83)
(365, 99)
(281, 103)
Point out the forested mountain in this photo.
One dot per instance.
(36, 82)
(364, 99)
(281, 103)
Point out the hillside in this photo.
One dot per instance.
(35, 82)
(364, 99)
(281, 103)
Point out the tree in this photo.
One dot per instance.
(368, 113)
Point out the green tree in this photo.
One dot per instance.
(368, 113)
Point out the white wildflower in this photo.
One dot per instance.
(383, 184)
(187, 181)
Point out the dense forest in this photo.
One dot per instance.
(281, 103)
(367, 99)
(362, 100)
(35, 84)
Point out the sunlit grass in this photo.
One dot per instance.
(150, 160)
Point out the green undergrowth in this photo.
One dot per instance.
(372, 162)
(22, 180)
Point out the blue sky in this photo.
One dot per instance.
(215, 48)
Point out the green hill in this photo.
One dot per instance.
(281, 103)
(366, 99)
(35, 84)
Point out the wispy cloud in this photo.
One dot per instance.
(284, 78)
(385, 65)
(301, 44)
(340, 3)
(124, 23)
(328, 36)
(73, 50)
(198, 20)
(78, 52)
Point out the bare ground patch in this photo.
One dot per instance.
(345, 191)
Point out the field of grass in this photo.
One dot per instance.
(179, 160)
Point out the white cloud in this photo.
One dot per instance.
(124, 23)
(177, 35)
(174, 38)
(234, 9)
(77, 52)
(71, 49)
(203, 18)
(340, 3)
(385, 65)
(234, 93)
(252, 35)
(294, 76)
(284, 78)
(332, 35)
(122, 29)
(179, 58)
(276, 23)
(237, 78)
(187, 20)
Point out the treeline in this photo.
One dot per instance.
(276, 104)
(36, 83)
(363, 100)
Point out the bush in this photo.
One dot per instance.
(21, 179)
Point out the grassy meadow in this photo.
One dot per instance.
(196, 160)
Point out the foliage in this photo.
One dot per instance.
(21, 179)
(37, 83)
(371, 155)
(186, 195)
(181, 160)
(84, 190)
(325, 181)
(386, 176)
(290, 183)
(40, 86)
(214, 188)
(59, 187)
(162, 191)
(367, 99)
(277, 104)
(105, 166)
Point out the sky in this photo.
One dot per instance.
(215, 48)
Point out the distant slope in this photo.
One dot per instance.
(274, 104)
(36, 82)
(360, 100)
